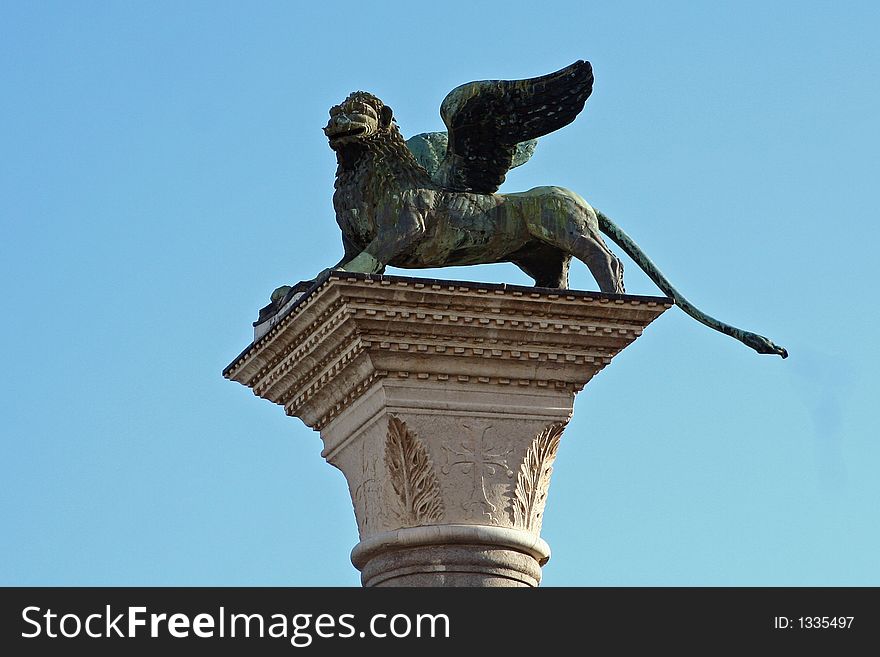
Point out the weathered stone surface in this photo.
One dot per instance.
(443, 404)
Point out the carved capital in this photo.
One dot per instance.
(443, 404)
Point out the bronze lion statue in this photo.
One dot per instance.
(434, 201)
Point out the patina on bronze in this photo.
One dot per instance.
(442, 208)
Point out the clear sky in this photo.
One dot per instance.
(163, 169)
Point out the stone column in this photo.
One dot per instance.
(443, 404)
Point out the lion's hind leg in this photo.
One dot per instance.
(567, 222)
(603, 264)
(545, 263)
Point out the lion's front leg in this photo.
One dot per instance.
(392, 239)
(364, 263)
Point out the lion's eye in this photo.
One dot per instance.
(364, 109)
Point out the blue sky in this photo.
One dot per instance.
(163, 169)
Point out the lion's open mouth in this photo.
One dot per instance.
(334, 136)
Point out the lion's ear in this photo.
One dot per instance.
(387, 115)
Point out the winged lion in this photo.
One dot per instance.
(433, 201)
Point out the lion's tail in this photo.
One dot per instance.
(757, 342)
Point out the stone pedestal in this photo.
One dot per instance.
(443, 403)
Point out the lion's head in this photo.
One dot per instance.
(359, 117)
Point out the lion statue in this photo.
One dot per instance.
(442, 208)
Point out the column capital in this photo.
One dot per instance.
(443, 403)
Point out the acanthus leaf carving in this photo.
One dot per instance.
(412, 476)
(533, 480)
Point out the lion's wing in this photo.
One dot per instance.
(429, 149)
(486, 120)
